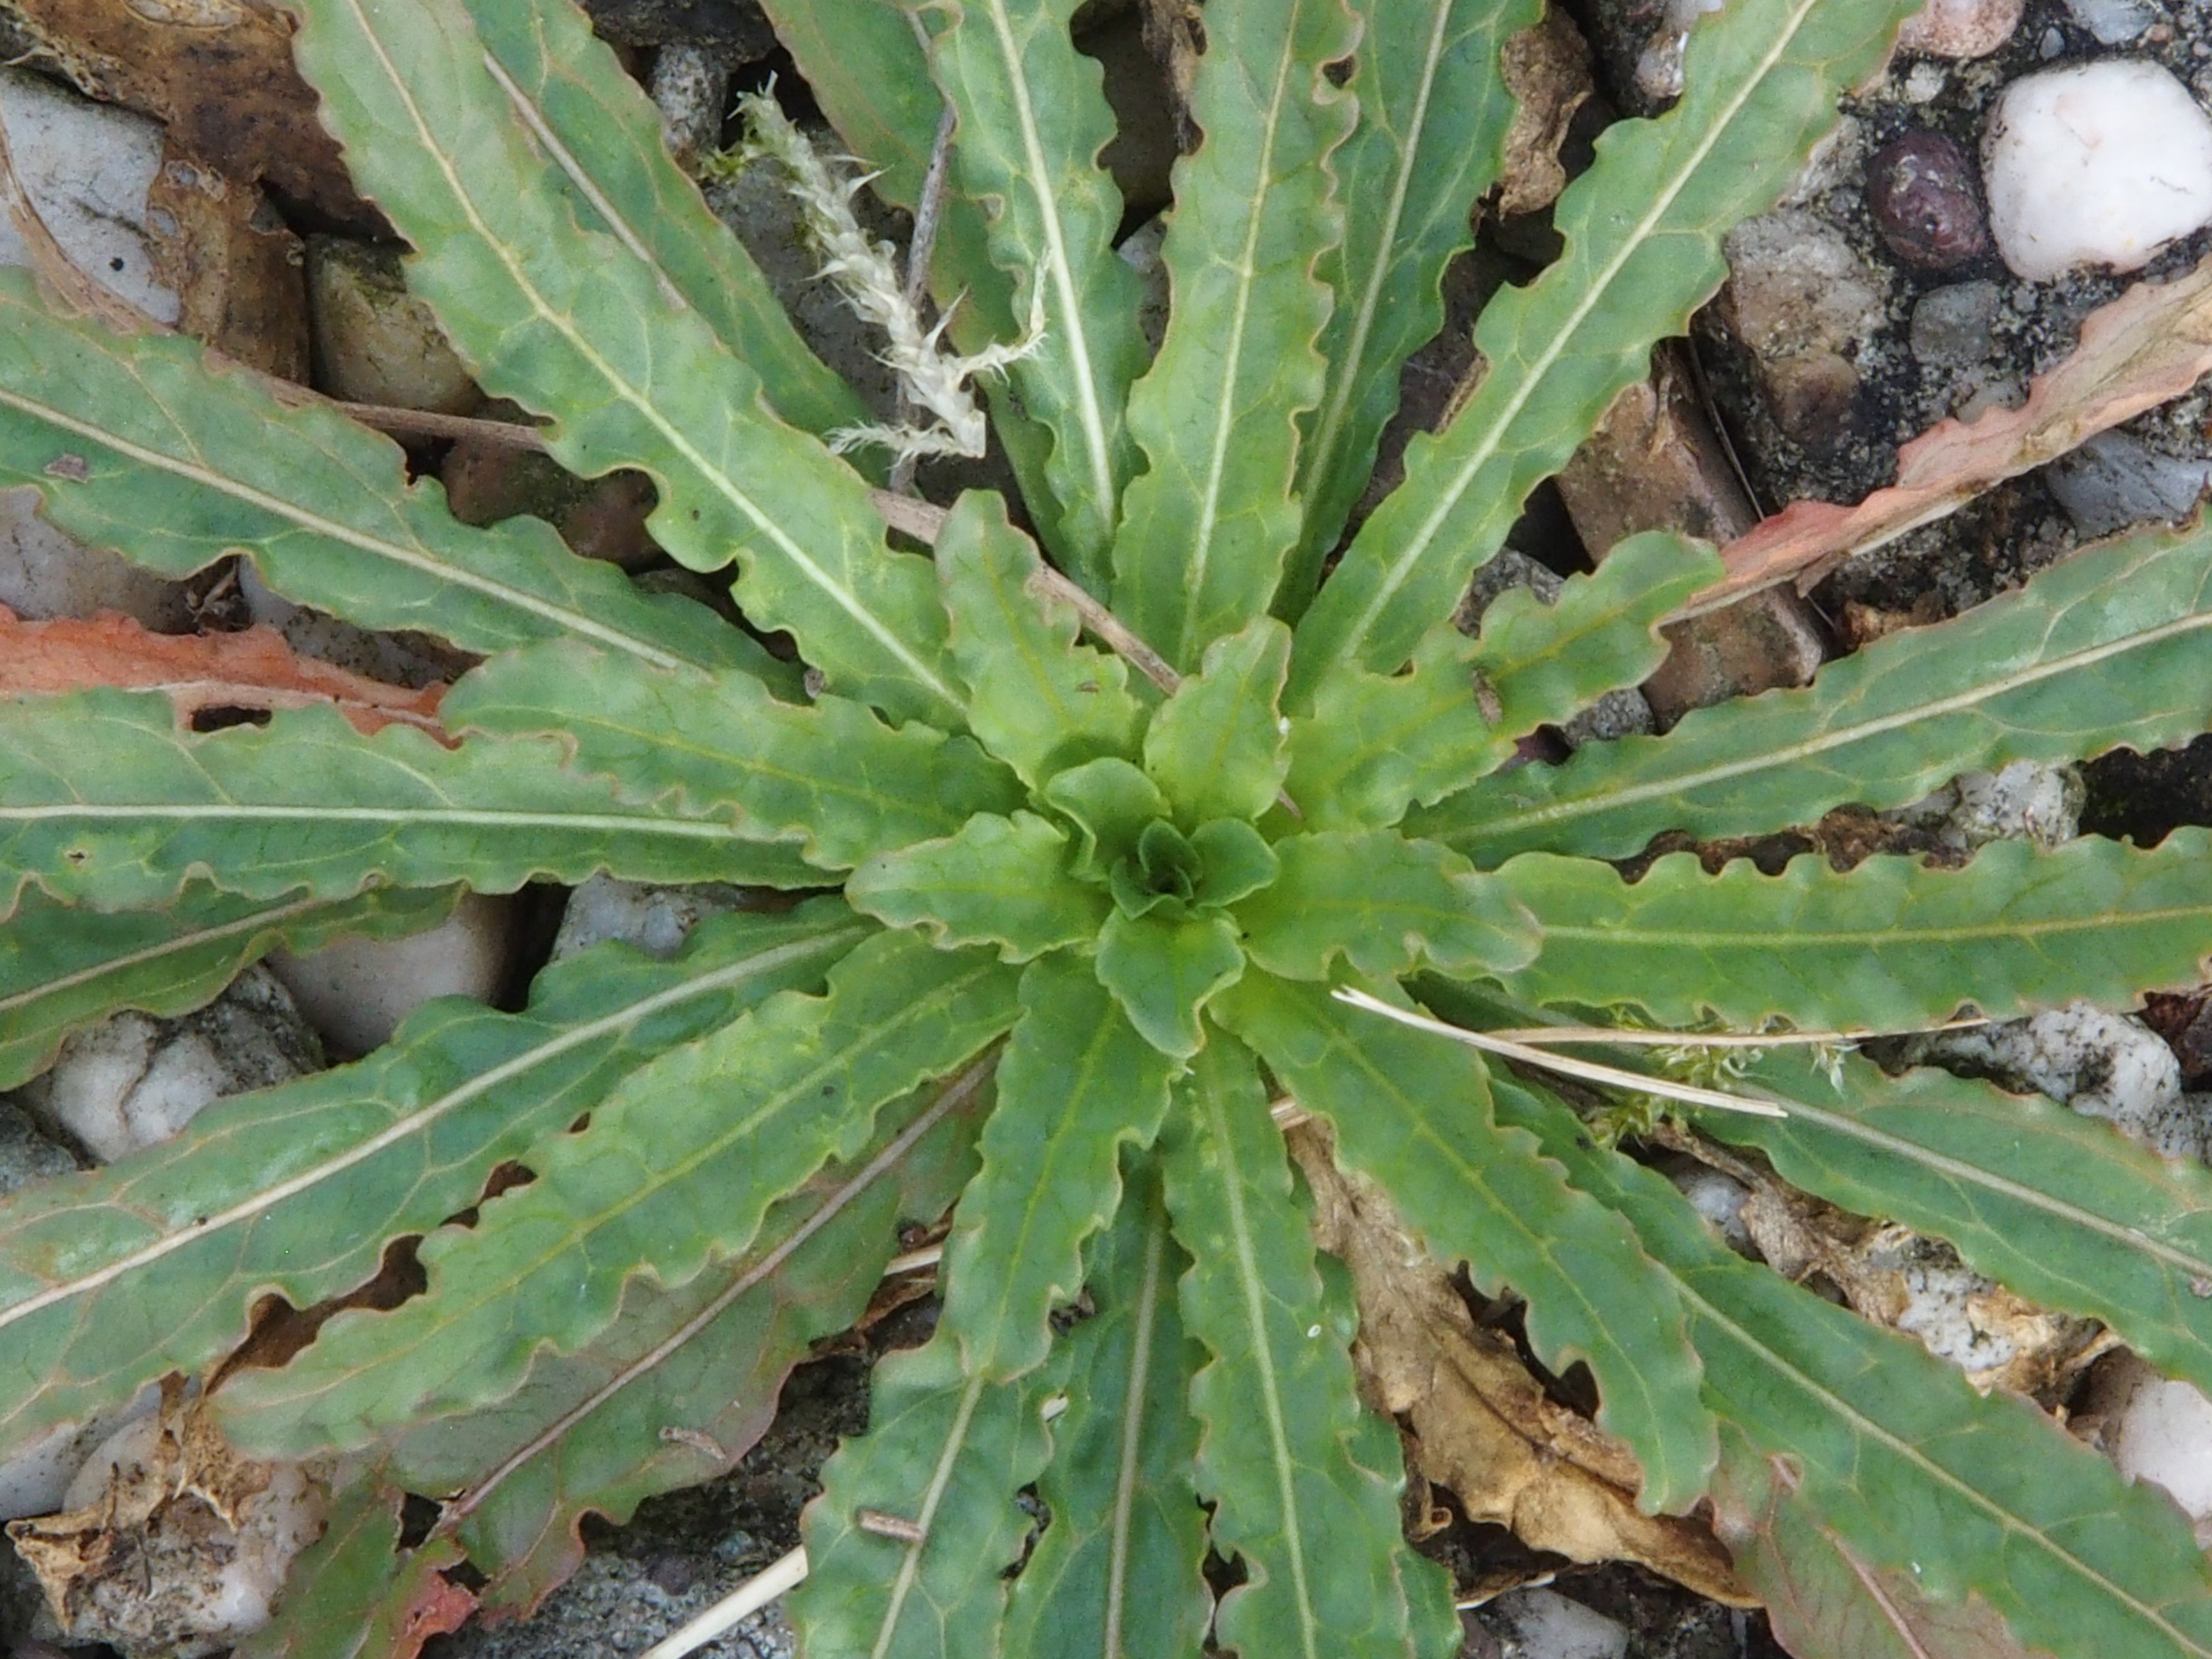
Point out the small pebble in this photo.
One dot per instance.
(2115, 480)
(1921, 189)
(1955, 325)
(2113, 21)
(2102, 164)
(1960, 29)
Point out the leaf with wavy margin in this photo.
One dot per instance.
(1077, 1085)
(1891, 946)
(572, 323)
(1431, 140)
(944, 1455)
(1907, 1467)
(1413, 1114)
(1033, 118)
(1376, 744)
(1386, 904)
(604, 135)
(1116, 1574)
(132, 444)
(1215, 748)
(1039, 701)
(112, 1277)
(674, 1173)
(685, 1381)
(2110, 646)
(830, 776)
(1642, 229)
(66, 967)
(103, 799)
(1207, 528)
(999, 881)
(2060, 1207)
(1304, 1482)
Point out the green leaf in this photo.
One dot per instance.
(1162, 969)
(2105, 648)
(1820, 1595)
(1387, 904)
(589, 1431)
(1304, 1482)
(132, 444)
(1642, 229)
(604, 135)
(1430, 141)
(945, 1453)
(1207, 528)
(1116, 1574)
(1039, 701)
(109, 1278)
(1077, 1085)
(2060, 1207)
(572, 323)
(66, 967)
(1002, 882)
(1234, 859)
(1216, 747)
(355, 1594)
(831, 775)
(1375, 744)
(102, 798)
(1110, 802)
(1891, 946)
(1413, 1114)
(1033, 119)
(673, 1174)
(1910, 1469)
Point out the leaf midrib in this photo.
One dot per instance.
(708, 984)
(275, 916)
(1811, 748)
(1901, 935)
(337, 530)
(1539, 367)
(679, 441)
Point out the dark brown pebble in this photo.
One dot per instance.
(1927, 203)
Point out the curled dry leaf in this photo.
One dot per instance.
(252, 669)
(2149, 345)
(1481, 1425)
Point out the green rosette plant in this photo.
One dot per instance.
(1090, 811)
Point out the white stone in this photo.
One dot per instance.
(133, 1081)
(357, 991)
(2113, 21)
(2025, 801)
(2097, 165)
(2101, 1064)
(2157, 1430)
(37, 1480)
(87, 168)
(46, 574)
(1717, 1197)
(1550, 1626)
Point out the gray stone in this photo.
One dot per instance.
(655, 920)
(2115, 480)
(357, 991)
(26, 1155)
(1548, 1625)
(88, 168)
(2024, 801)
(374, 341)
(134, 1080)
(1954, 326)
(45, 573)
(1618, 714)
(1803, 304)
(2113, 21)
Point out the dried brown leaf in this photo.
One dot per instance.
(254, 670)
(1547, 68)
(1480, 1425)
(2147, 347)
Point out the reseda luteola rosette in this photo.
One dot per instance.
(1071, 931)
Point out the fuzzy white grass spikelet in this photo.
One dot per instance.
(934, 380)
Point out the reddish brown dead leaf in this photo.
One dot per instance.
(254, 670)
(2150, 345)
(1481, 1425)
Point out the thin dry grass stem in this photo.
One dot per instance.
(1587, 1071)
(1538, 1037)
(740, 1604)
